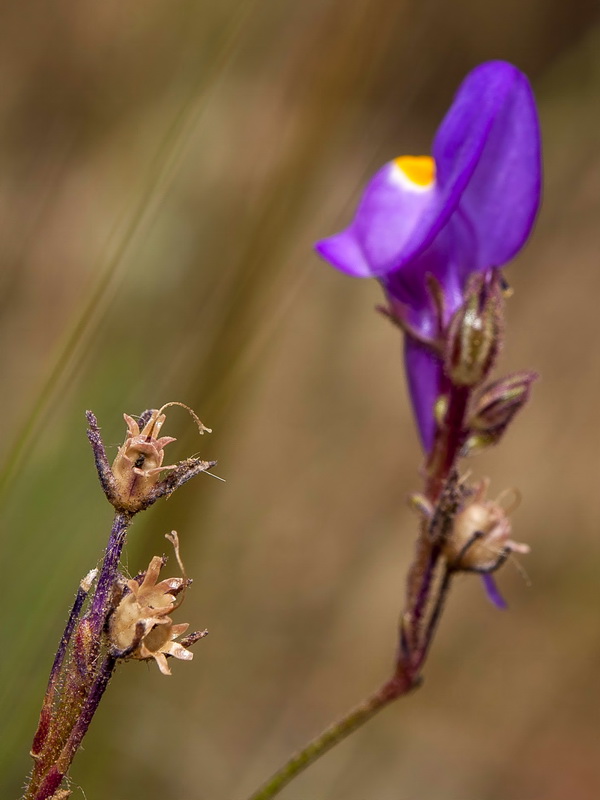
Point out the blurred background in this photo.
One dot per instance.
(165, 167)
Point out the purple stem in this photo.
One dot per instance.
(91, 680)
(54, 777)
(49, 785)
(108, 571)
(89, 709)
(40, 734)
(442, 593)
(107, 480)
(448, 444)
(449, 441)
(68, 632)
(422, 598)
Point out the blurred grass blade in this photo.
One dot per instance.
(74, 345)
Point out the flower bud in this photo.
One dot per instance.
(495, 406)
(480, 537)
(474, 335)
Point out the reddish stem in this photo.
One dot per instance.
(449, 441)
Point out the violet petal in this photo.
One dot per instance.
(493, 592)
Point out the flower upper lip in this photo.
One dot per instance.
(474, 216)
(492, 118)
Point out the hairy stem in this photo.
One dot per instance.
(54, 776)
(434, 618)
(46, 712)
(108, 571)
(76, 683)
(449, 441)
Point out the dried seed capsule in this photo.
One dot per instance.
(480, 537)
(137, 467)
(140, 626)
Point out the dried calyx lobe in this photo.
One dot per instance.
(136, 613)
(140, 625)
(133, 483)
(124, 618)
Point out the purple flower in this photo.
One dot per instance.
(468, 208)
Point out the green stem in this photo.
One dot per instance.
(334, 734)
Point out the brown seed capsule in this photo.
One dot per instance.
(140, 626)
(480, 537)
(139, 462)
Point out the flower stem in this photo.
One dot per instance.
(108, 571)
(439, 601)
(76, 687)
(335, 733)
(449, 441)
(46, 712)
(428, 585)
